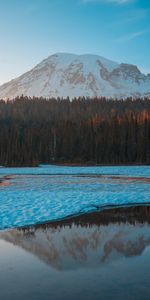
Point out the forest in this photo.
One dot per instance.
(82, 131)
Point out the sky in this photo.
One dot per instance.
(31, 30)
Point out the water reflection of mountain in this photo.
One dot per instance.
(87, 241)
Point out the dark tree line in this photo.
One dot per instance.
(96, 131)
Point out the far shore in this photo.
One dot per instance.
(73, 164)
(89, 164)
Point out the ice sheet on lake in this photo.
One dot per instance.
(52, 192)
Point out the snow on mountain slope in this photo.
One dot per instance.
(62, 75)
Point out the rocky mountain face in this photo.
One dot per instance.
(62, 75)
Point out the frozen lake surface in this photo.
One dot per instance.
(36, 195)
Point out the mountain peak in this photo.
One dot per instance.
(67, 74)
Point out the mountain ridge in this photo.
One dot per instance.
(70, 75)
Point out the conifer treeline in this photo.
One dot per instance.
(97, 131)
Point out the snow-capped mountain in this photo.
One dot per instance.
(62, 75)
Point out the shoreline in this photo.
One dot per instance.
(88, 164)
(130, 213)
(72, 164)
(112, 214)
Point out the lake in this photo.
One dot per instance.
(75, 233)
(103, 255)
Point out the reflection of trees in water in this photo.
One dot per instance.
(88, 240)
(109, 215)
(79, 246)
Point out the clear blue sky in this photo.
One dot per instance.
(31, 30)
